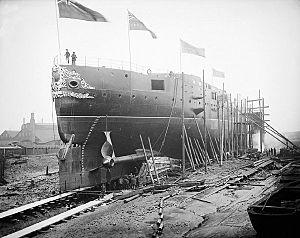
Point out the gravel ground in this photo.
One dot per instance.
(27, 181)
(224, 216)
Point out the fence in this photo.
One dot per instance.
(110, 63)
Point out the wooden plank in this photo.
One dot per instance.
(38, 203)
(57, 218)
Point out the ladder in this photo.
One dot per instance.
(148, 163)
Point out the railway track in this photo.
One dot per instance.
(38, 216)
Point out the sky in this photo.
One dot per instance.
(255, 43)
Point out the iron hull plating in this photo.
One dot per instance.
(90, 101)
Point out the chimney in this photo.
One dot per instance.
(32, 127)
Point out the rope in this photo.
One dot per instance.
(172, 109)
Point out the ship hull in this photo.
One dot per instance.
(126, 109)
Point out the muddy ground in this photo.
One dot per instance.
(27, 180)
(222, 215)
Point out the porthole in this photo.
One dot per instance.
(73, 84)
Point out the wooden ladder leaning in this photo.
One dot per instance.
(148, 163)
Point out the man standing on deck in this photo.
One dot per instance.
(67, 54)
(74, 57)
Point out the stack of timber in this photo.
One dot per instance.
(162, 165)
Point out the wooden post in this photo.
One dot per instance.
(219, 128)
(222, 130)
(228, 124)
(251, 135)
(263, 125)
(241, 127)
(182, 121)
(245, 126)
(204, 121)
(237, 125)
(260, 115)
(232, 127)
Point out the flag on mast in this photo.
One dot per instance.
(190, 49)
(136, 24)
(74, 10)
(217, 73)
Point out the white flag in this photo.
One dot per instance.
(189, 49)
(217, 73)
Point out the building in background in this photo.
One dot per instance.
(8, 135)
(33, 138)
(39, 133)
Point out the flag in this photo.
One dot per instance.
(217, 73)
(136, 24)
(74, 10)
(189, 49)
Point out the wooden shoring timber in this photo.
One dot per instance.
(217, 145)
(189, 156)
(201, 154)
(205, 157)
(197, 152)
(46, 223)
(213, 151)
(189, 149)
(212, 147)
(204, 144)
(193, 150)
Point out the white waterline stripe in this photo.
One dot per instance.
(132, 117)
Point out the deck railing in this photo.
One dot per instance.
(109, 63)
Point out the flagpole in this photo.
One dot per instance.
(180, 70)
(57, 26)
(182, 124)
(204, 124)
(222, 129)
(129, 54)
